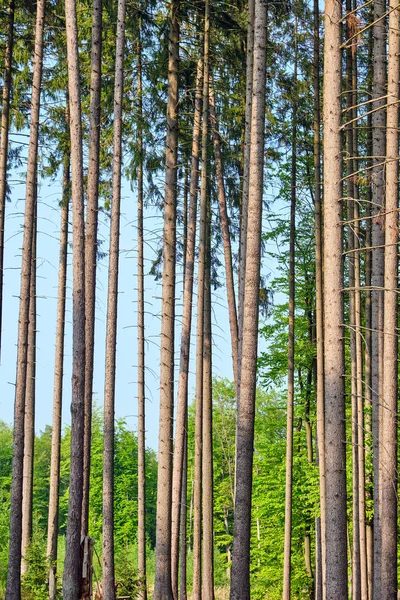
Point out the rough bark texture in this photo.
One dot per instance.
(13, 589)
(335, 454)
(71, 576)
(162, 586)
(52, 528)
(240, 576)
(91, 246)
(29, 423)
(112, 311)
(388, 458)
(181, 418)
(5, 112)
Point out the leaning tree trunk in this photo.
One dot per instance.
(335, 453)
(72, 575)
(388, 457)
(52, 528)
(240, 576)
(162, 586)
(91, 245)
(13, 589)
(181, 417)
(5, 118)
(112, 311)
(291, 339)
(29, 424)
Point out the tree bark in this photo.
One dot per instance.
(71, 576)
(335, 454)
(52, 529)
(162, 586)
(240, 576)
(13, 589)
(5, 118)
(91, 245)
(388, 458)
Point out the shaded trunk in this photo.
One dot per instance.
(13, 589)
(5, 118)
(52, 529)
(183, 516)
(72, 568)
(240, 576)
(162, 587)
(91, 245)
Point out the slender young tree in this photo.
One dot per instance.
(388, 454)
(5, 118)
(91, 244)
(52, 527)
(29, 423)
(13, 589)
(240, 576)
(72, 575)
(162, 586)
(112, 311)
(181, 418)
(335, 453)
(291, 339)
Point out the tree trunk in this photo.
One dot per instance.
(183, 516)
(5, 118)
(290, 389)
(91, 245)
(181, 418)
(72, 575)
(52, 530)
(388, 458)
(335, 454)
(162, 586)
(112, 311)
(223, 215)
(13, 589)
(240, 576)
(29, 424)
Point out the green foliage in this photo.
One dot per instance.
(34, 582)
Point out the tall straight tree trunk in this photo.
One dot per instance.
(5, 118)
(246, 175)
(72, 575)
(183, 518)
(29, 424)
(141, 350)
(223, 215)
(377, 263)
(319, 318)
(181, 419)
(13, 589)
(52, 528)
(388, 458)
(91, 245)
(162, 586)
(207, 446)
(112, 311)
(335, 438)
(287, 551)
(201, 274)
(240, 575)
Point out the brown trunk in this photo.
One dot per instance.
(223, 215)
(183, 542)
(52, 530)
(240, 577)
(29, 424)
(13, 589)
(5, 112)
(162, 586)
(388, 458)
(91, 246)
(108, 580)
(71, 576)
(181, 418)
